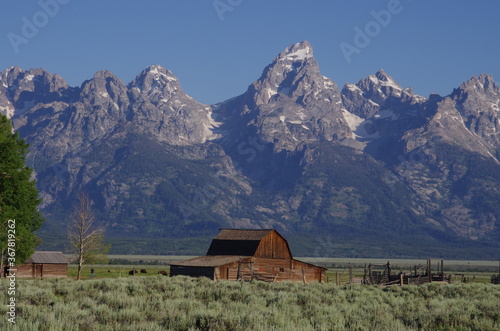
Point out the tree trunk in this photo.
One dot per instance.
(80, 265)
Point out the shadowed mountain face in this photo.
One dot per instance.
(373, 167)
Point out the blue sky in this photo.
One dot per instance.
(432, 46)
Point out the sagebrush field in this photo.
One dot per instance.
(180, 303)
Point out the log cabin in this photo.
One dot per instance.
(240, 254)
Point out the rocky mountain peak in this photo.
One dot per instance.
(17, 78)
(152, 74)
(103, 88)
(376, 92)
(160, 107)
(101, 79)
(380, 83)
(478, 102)
(156, 83)
(484, 84)
(384, 79)
(294, 73)
(296, 52)
(21, 90)
(8, 76)
(290, 105)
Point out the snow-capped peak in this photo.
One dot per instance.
(383, 79)
(159, 72)
(297, 52)
(157, 80)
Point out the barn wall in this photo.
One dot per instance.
(273, 246)
(24, 270)
(278, 270)
(228, 271)
(192, 271)
(54, 270)
(38, 270)
(300, 275)
(315, 273)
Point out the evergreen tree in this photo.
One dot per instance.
(18, 196)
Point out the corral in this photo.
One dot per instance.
(237, 254)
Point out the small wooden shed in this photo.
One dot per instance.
(43, 265)
(240, 254)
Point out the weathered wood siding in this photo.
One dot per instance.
(39, 270)
(230, 271)
(24, 271)
(208, 272)
(54, 270)
(273, 246)
(277, 270)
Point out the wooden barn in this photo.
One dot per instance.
(236, 254)
(43, 265)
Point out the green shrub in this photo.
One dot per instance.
(183, 303)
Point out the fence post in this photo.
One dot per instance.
(364, 275)
(442, 270)
(429, 270)
(370, 272)
(238, 272)
(251, 270)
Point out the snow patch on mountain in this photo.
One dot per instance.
(387, 81)
(299, 55)
(29, 77)
(386, 113)
(352, 120)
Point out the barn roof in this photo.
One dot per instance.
(209, 260)
(48, 258)
(237, 242)
(242, 234)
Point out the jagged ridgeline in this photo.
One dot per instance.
(371, 169)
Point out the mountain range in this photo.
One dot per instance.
(369, 170)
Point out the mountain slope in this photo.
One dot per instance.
(375, 168)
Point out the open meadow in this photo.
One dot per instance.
(475, 271)
(182, 303)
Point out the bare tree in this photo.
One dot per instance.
(85, 236)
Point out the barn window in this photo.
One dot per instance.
(282, 269)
